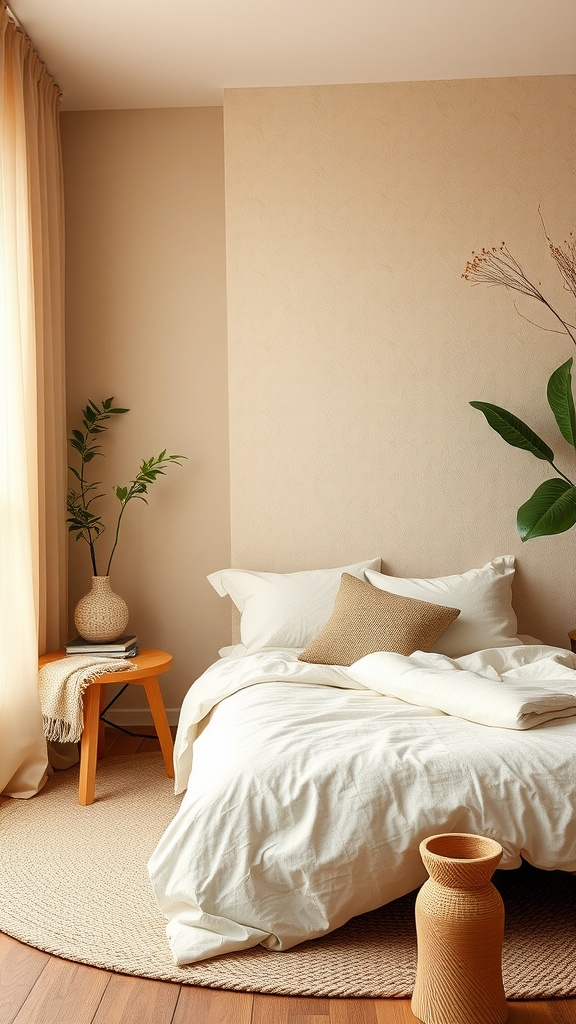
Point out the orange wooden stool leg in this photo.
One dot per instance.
(160, 720)
(89, 746)
(101, 725)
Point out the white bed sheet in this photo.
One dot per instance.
(308, 795)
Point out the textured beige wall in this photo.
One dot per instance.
(146, 322)
(354, 345)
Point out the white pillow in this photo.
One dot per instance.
(484, 597)
(283, 609)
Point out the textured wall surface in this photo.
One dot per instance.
(146, 322)
(354, 345)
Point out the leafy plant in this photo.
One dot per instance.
(82, 520)
(552, 507)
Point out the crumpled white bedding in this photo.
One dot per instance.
(308, 795)
(483, 687)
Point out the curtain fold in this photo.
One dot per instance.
(33, 570)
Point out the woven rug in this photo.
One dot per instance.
(73, 882)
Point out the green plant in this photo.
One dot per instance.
(82, 521)
(552, 507)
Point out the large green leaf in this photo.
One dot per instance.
(551, 509)
(514, 431)
(561, 401)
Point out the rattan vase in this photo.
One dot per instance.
(460, 928)
(101, 615)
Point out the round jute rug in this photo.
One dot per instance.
(74, 883)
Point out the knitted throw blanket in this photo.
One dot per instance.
(62, 684)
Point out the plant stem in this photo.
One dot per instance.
(90, 541)
(558, 317)
(563, 475)
(115, 538)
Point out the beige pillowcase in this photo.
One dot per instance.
(366, 619)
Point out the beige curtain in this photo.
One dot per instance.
(32, 411)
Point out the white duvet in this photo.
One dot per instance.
(309, 788)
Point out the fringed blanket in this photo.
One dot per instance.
(62, 684)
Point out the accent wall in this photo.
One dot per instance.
(355, 345)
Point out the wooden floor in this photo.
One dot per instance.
(36, 988)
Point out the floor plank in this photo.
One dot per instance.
(211, 1006)
(307, 1006)
(20, 968)
(64, 992)
(314, 1018)
(128, 1000)
(270, 1008)
(529, 1013)
(353, 1011)
(563, 1010)
(394, 1011)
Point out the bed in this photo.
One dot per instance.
(310, 775)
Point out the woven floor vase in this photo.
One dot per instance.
(101, 615)
(459, 928)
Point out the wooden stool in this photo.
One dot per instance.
(149, 665)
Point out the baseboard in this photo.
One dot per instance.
(138, 716)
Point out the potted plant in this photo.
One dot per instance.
(102, 615)
(552, 507)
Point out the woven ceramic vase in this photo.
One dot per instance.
(101, 615)
(460, 928)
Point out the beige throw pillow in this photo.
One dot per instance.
(366, 619)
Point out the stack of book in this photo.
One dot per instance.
(124, 647)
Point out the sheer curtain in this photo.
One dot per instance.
(32, 408)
